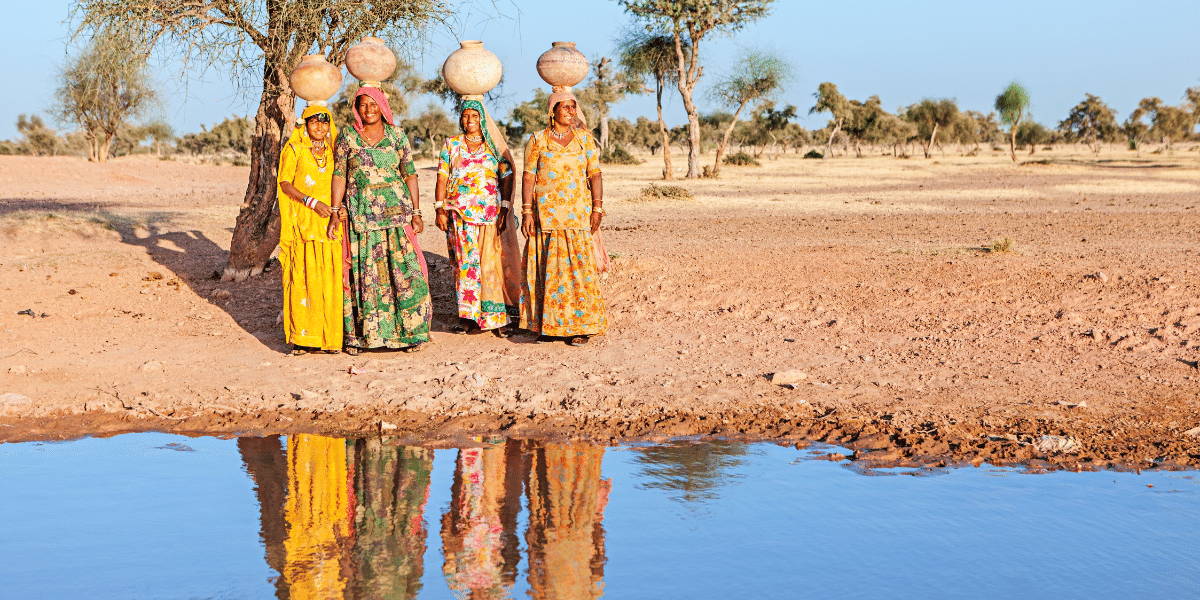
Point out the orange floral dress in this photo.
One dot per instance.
(561, 293)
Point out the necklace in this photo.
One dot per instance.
(474, 139)
(318, 154)
(561, 136)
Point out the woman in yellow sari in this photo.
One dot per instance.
(311, 258)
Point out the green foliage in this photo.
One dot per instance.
(931, 116)
(665, 192)
(813, 154)
(1001, 245)
(755, 76)
(230, 137)
(528, 117)
(1033, 134)
(1012, 104)
(37, 138)
(1091, 121)
(429, 129)
(698, 16)
(741, 159)
(617, 155)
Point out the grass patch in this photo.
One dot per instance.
(618, 155)
(813, 154)
(664, 192)
(741, 159)
(1000, 245)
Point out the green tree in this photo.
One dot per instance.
(830, 100)
(1167, 123)
(606, 87)
(755, 76)
(1012, 104)
(1091, 122)
(430, 128)
(104, 87)
(689, 22)
(768, 125)
(652, 54)
(1033, 134)
(930, 116)
(528, 117)
(233, 136)
(861, 120)
(270, 37)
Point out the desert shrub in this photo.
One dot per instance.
(665, 192)
(618, 155)
(813, 154)
(741, 159)
(1001, 245)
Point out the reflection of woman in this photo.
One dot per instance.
(387, 300)
(562, 206)
(318, 517)
(478, 531)
(567, 498)
(472, 198)
(308, 251)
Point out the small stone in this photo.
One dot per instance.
(385, 426)
(1098, 276)
(1056, 444)
(151, 366)
(221, 294)
(309, 396)
(11, 402)
(477, 380)
(1193, 432)
(17, 370)
(790, 378)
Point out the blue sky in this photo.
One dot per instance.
(901, 51)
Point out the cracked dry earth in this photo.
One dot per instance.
(868, 284)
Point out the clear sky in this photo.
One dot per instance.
(902, 51)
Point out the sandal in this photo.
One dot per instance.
(414, 348)
(502, 332)
(298, 351)
(577, 340)
(352, 350)
(459, 328)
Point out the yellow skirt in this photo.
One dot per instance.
(312, 293)
(561, 295)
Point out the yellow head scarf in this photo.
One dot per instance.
(299, 137)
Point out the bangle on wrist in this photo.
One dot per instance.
(439, 204)
(599, 210)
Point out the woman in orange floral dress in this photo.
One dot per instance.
(562, 207)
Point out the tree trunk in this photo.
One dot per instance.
(932, 136)
(105, 145)
(603, 129)
(693, 171)
(724, 143)
(256, 233)
(837, 126)
(668, 174)
(1012, 138)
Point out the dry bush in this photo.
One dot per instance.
(664, 192)
(1001, 245)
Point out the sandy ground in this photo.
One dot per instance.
(869, 277)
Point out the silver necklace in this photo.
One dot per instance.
(474, 139)
(562, 135)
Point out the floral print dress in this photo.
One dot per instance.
(387, 301)
(473, 203)
(561, 295)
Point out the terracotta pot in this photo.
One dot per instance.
(371, 61)
(562, 65)
(315, 80)
(472, 69)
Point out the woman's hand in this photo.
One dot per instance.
(502, 220)
(322, 210)
(331, 230)
(529, 224)
(441, 219)
(596, 218)
(418, 224)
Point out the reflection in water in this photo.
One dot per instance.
(344, 519)
(690, 472)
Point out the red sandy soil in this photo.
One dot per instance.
(870, 277)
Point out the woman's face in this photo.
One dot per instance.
(564, 113)
(368, 110)
(470, 121)
(317, 130)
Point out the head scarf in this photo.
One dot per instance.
(299, 137)
(491, 132)
(376, 94)
(562, 94)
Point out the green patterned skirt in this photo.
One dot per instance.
(387, 302)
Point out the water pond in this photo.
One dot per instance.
(310, 517)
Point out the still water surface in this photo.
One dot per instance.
(310, 517)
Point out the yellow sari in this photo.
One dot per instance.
(312, 263)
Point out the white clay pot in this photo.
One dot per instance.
(315, 79)
(371, 61)
(562, 65)
(472, 69)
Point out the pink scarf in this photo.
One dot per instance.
(376, 94)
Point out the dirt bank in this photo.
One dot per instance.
(870, 277)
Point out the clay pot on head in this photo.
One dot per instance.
(315, 79)
(562, 65)
(371, 61)
(472, 69)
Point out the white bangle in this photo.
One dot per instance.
(437, 205)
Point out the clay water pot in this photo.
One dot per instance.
(371, 61)
(472, 69)
(562, 65)
(315, 79)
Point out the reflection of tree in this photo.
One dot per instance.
(692, 472)
(566, 499)
(318, 518)
(479, 529)
(391, 486)
(264, 462)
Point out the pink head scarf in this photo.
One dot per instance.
(376, 94)
(562, 94)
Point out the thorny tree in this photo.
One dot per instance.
(830, 100)
(102, 88)
(756, 76)
(931, 116)
(689, 21)
(650, 54)
(271, 35)
(607, 86)
(1091, 121)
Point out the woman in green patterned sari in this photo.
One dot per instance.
(386, 281)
